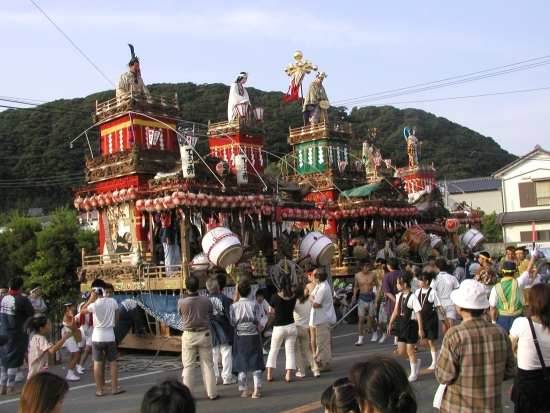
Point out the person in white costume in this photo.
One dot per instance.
(237, 94)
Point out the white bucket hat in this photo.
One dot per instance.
(470, 295)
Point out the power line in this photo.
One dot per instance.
(446, 84)
(22, 102)
(67, 37)
(444, 80)
(463, 97)
(44, 178)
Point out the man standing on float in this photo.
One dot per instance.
(131, 81)
(316, 101)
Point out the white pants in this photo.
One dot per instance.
(193, 344)
(227, 360)
(287, 334)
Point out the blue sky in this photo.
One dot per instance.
(365, 47)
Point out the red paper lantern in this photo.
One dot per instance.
(78, 202)
(159, 206)
(140, 205)
(202, 199)
(191, 199)
(213, 201)
(150, 205)
(167, 202)
(123, 195)
(86, 204)
(132, 193)
(260, 200)
(223, 201)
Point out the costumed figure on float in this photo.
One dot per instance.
(413, 145)
(237, 95)
(131, 81)
(316, 102)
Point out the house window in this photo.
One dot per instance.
(533, 194)
(527, 236)
(542, 189)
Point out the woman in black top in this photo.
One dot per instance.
(284, 329)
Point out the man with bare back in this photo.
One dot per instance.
(367, 300)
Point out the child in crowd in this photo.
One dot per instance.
(267, 317)
(429, 301)
(69, 325)
(381, 385)
(43, 393)
(408, 318)
(169, 396)
(302, 312)
(86, 325)
(39, 347)
(340, 398)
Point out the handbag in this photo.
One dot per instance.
(536, 341)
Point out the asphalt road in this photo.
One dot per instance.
(301, 395)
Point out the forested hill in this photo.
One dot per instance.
(39, 169)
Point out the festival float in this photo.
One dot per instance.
(166, 211)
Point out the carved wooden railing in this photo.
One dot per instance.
(237, 125)
(318, 130)
(142, 102)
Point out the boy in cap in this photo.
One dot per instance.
(507, 296)
(476, 357)
(510, 256)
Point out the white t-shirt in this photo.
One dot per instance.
(104, 310)
(528, 359)
(264, 310)
(412, 303)
(444, 284)
(326, 313)
(523, 280)
(302, 312)
(432, 297)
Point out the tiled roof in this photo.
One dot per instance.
(537, 151)
(523, 216)
(460, 186)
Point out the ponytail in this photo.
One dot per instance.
(34, 324)
(285, 286)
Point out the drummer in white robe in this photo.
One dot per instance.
(237, 94)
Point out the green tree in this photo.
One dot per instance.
(57, 257)
(490, 228)
(18, 243)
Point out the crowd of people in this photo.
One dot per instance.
(492, 332)
(500, 322)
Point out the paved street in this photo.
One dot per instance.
(301, 395)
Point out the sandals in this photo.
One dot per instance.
(256, 397)
(247, 395)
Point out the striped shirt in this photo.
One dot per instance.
(476, 357)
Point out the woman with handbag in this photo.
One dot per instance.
(531, 336)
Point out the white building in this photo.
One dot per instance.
(526, 198)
